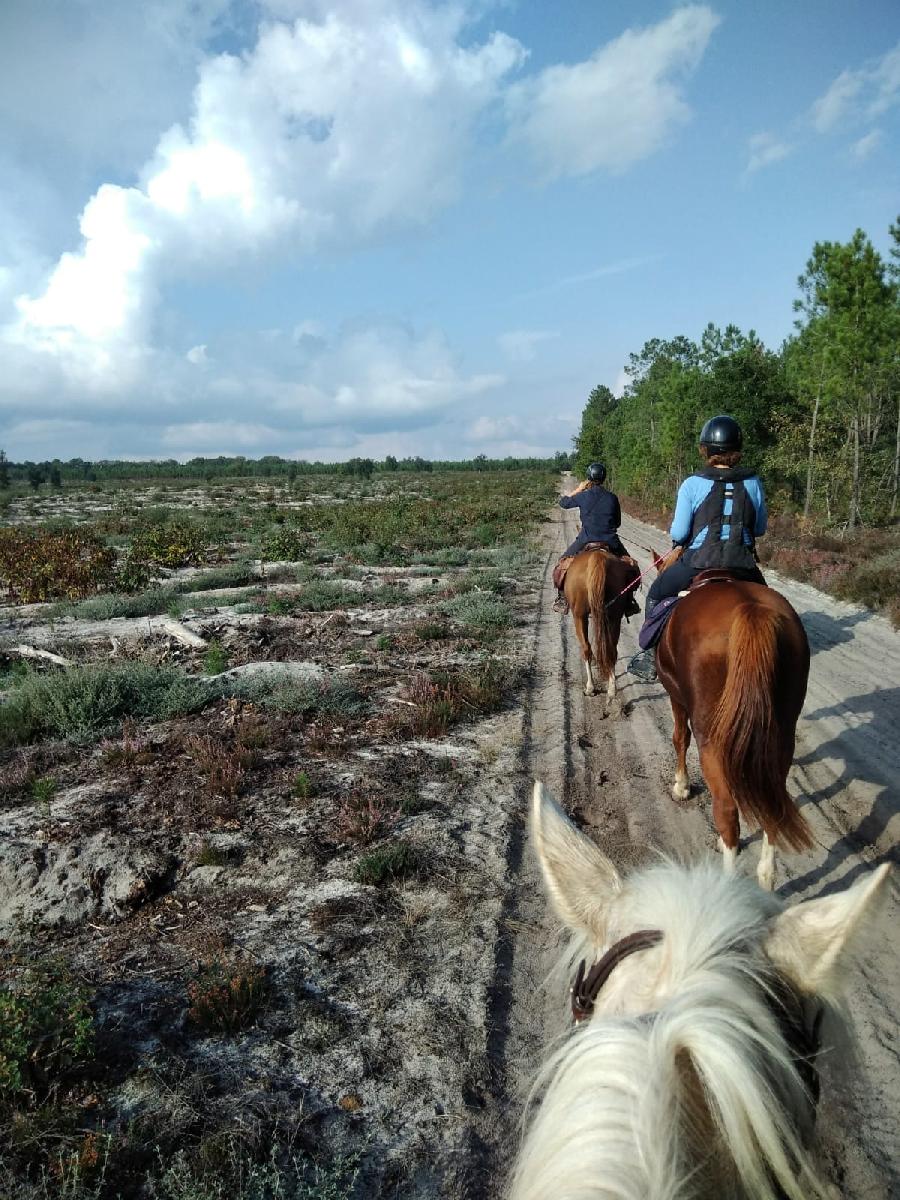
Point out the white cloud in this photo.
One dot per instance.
(764, 150)
(618, 106)
(866, 145)
(284, 148)
(197, 355)
(857, 94)
(521, 345)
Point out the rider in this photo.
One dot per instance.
(600, 516)
(702, 523)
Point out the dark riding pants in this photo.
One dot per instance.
(677, 578)
(612, 543)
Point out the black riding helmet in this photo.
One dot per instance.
(596, 472)
(721, 433)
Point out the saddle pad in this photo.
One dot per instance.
(652, 628)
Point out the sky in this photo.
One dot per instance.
(337, 228)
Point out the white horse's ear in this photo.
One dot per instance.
(806, 942)
(580, 879)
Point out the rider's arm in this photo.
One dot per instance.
(681, 522)
(568, 501)
(762, 516)
(616, 519)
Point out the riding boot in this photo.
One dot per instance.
(561, 604)
(643, 665)
(632, 608)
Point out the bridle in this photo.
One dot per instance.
(586, 988)
(790, 1008)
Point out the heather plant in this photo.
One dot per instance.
(225, 998)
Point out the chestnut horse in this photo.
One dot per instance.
(593, 586)
(734, 659)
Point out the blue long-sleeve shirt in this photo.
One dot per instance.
(691, 495)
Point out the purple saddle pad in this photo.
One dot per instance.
(652, 628)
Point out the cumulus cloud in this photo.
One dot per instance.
(859, 94)
(764, 150)
(284, 147)
(618, 106)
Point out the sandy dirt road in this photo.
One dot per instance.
(614, 774)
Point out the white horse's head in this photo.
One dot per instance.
(693, 1074)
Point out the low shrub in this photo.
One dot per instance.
(169, 544)
(39, 565)
(82, 702)
(393, 861)
(479, 610)
(284, 545)
(46, 1027)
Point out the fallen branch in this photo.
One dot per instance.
(184, 635)
(33, 652)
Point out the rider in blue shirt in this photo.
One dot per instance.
(704, 523)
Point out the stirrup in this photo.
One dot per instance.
(643, 666)
(561, 604)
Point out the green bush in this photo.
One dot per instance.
(46, 1027)
(284, 545)
(170, 544)
(389, 862)
(82, 702)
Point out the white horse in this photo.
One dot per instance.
(692, 1073)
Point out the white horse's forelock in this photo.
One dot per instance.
(694, 1092)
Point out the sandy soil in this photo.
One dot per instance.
(614, 775)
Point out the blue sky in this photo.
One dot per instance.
(325, 229)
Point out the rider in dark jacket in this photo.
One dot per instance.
(719, 513)
(599, 510)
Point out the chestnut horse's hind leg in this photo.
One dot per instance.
(581, 632)
(681, 739)
(725, 811)
(765, 872)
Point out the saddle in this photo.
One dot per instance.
(559, 571)
(652, 629)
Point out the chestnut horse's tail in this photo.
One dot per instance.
(595, 582)
(745, 734)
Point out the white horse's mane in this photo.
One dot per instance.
(698, 1095)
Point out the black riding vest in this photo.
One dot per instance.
(731, 553)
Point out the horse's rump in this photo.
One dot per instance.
(744, 703)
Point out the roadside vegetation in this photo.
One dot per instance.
(244, 761)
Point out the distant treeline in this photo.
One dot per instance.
(821, 416)
(55, 472)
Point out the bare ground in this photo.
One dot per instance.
(614, 774)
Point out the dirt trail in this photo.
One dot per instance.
(614, 775)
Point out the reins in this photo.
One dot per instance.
(586, 988)
(634, 582)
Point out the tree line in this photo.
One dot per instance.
(821, 415)
(56, 473)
